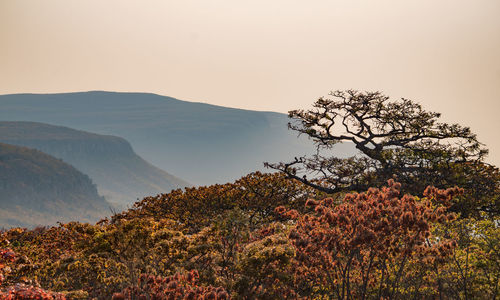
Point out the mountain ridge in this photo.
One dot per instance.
(201, 143)
(38, 189)
(143, 93)
(121, 175)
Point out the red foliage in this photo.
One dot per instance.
(7, 256)
(20, 291)
(24, 292)
(365, 244)
(178, 286)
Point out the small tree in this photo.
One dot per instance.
(393, 139)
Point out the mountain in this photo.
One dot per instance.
(38, 189)
(201, 143)
(120, 174)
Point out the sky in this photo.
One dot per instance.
(273, 55)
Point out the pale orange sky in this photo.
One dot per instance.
(262, 54)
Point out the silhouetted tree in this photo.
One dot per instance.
(393, 139)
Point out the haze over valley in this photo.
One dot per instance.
(179, 143)
(121, 176)
(200, 143)
(38, 189)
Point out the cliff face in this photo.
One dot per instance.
(83, 148)
(38, 189)
(121, 175)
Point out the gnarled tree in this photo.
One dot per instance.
(393, 139)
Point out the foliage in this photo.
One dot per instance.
(257, 239)
(393, 139)
(7, 256)
(266, 265)
(368, 245)
(474, 272)
(257, 194)
(178, 286)
(19, 290)
(22, 292)
(338, 234)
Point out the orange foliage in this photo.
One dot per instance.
(25, 292)
(376, 244)
(366, 245)
(257, 194)
(178, 286)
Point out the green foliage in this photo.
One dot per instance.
(266, 266)
(474, 271)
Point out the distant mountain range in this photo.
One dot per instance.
(120, 174)
(201, 143)
(38, 189)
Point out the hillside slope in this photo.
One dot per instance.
(38, 189)
(201, 143)
(120, 174)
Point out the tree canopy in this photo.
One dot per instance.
(394, 139)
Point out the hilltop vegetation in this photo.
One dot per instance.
(36, 188)
(120, 174)
(224, 240)
(349, 234)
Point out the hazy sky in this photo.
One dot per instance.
(262, 54)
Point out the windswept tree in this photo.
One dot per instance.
(393, 139)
